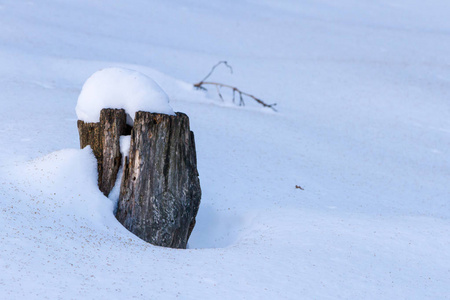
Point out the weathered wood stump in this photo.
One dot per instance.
(160, 189)
(104, 139)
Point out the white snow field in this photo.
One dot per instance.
(363, 126)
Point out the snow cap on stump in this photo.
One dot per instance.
(120, 88)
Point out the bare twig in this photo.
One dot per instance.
(215, 66)
(235, 89)
(218, 92)
(241, 100)
(200, 85)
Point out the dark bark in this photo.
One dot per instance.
(160, 190)
(104, 139)
(113, 124)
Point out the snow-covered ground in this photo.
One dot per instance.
(363, 93)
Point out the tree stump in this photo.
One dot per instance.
(160, 189)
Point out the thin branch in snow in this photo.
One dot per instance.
(235, 89)
(200, 85)
(215, 66)
(218, 92)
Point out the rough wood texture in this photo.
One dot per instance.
(160, 190)
(113, 123)
(104, 139)
(90, 135)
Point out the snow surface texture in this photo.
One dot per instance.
(363, 91)
(120, 88)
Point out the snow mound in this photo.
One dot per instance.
(120, 88)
